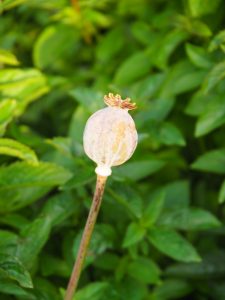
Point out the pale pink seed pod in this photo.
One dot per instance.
(110, 136)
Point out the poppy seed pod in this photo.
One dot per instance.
(110, 136)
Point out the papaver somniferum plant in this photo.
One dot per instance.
(110, 138)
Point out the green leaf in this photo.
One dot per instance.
(133, 199)
(198, 56)
(14, 220)
(164, 133)
(62, 144)
(169, 134)
(8, 58)
(51, 265)
(23, 85)
(147, 87)
(107, 261)
(94, 291)
(60, 208)
(130, 289)
(8, 4)
(181, 78)
(189, 219)
(110, 44)
(86, 175)
(10, 288)
(177, 194)
(171, 289)
(7, 111)
(173, 245)
(22, 183)
(133, 68)
(33, 238)
(222, 193)
(211, 266)
(214, 77)
(217, 41)
(166, 47)
(217, 290)
(129, 198)
(200, 29)
(45, 289)
(8, 242)
(99, 18)
(188, 82)
(202, 7)
(153, 210)
(211, 161)
(212, 117)
(77, 123)
(142, 32)
(12, 268)
(88, 98)
(156, 110)
(135, 232)
(194, 26)
(199, 102)
(144, 270)
(121, 268)
(54, 44)
(7, 237)
(14, 148)
(140, 169)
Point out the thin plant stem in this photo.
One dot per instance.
(75, 5)
(86, 237)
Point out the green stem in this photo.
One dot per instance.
(75, 5)
(93, 213)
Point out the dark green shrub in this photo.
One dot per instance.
(160, 233)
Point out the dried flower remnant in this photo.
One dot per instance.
(116, 101)
(110, 138)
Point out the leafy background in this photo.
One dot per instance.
(160, 232)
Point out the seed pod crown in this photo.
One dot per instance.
(116, 101)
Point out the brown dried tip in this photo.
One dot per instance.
(116, 101)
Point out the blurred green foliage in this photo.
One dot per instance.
(160, 230)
